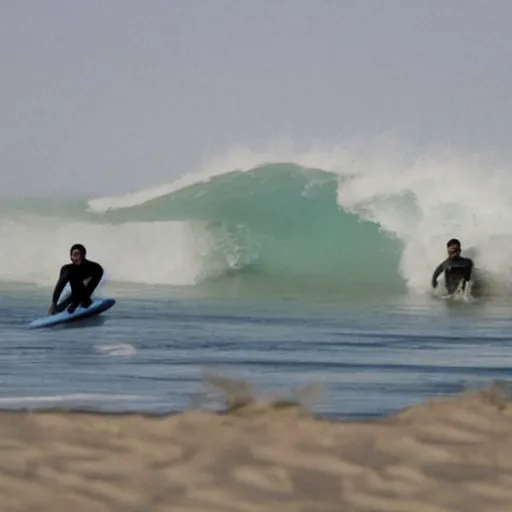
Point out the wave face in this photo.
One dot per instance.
(357, 228)
(275, 221)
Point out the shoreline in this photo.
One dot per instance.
(446, 454)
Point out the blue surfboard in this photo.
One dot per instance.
(98, 306)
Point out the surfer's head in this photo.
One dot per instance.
(77, 253)
(453, 248)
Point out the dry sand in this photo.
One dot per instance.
(450, 454)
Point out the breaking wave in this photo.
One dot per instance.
(340, 222)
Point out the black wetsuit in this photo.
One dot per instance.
(455, 270)
(75, 275)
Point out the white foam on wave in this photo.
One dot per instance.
(428, 200)
(145, 253)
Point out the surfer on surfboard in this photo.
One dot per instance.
(83, 276)
(457, 269)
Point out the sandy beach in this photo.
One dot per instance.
(448, 454)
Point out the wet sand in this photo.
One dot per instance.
(448, 454)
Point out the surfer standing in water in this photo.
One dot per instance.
(82, 275)
(457, 269)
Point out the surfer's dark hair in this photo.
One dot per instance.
(453, 241)
(78, 247)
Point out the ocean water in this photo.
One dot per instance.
(283, 276)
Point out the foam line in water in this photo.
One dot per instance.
(65, 398)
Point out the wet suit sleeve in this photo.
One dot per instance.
(470, 270)
(437, 273)
(96, 273)
(61, 283)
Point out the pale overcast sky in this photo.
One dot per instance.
(109, 96)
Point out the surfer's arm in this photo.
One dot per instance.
(470, 269)
(61, 283)
(437, 273)
(96, 275)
